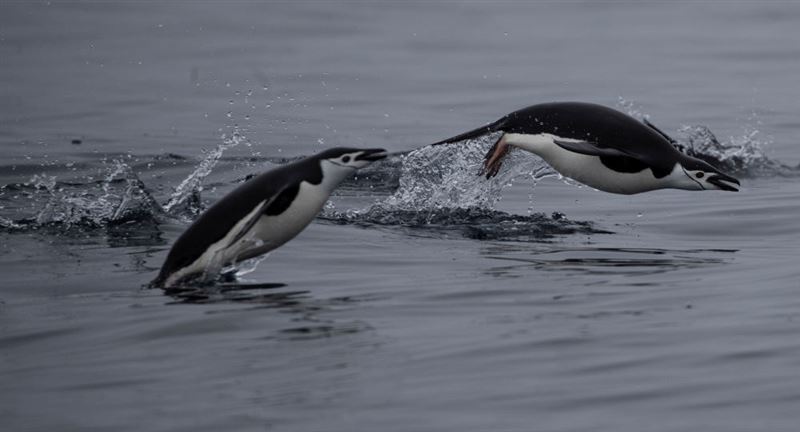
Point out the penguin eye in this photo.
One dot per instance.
(699, 175)
(346, 159)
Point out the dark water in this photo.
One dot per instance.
(420, 300)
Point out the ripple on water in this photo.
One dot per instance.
(474, 223)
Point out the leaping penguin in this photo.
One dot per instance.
(260, 215)
(600, 147)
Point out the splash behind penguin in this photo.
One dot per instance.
(260, 215)
(600, 147)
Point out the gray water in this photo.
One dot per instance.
(527, 303)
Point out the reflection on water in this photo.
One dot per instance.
(307, 311)
(602, 260)
(328, 330)
(235, 292)
(134, 234)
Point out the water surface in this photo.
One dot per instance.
(423, 299)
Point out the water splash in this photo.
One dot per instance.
(103, 205)
(447, 176)
(249, 265)
(632, 109)
(743, 154)
(8, 224)
(381, 177)
(117, 196)
(184, 203)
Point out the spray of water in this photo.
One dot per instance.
(184, 202)
(632, 109)
(447, 176)
(744, 154)
(102, 205)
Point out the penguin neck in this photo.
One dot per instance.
(333, 174)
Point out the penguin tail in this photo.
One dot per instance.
(483, 130)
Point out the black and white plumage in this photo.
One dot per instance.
(260, 215)
(600, 147)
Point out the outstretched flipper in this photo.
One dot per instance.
(589, 148)
(615, 159)
(252, 219)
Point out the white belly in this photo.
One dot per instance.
(590, 171)
(586, 169)
(270, 232)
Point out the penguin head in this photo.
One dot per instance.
(339, 163)
(703, 176)
(351, 158)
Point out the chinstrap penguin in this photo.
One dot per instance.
(260, 215)
(600, 147)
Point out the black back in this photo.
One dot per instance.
(603, 127)
(221, 217)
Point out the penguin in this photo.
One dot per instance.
(260, 215)
(599, 147)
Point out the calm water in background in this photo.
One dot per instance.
(685, 315)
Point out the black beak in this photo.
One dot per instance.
(724, 182)
(372, 155)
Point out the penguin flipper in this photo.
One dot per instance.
(255, 215)
(617, 160)
(590, 148)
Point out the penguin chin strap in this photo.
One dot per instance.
(692, 178)
(343, 166)
(494, 158)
